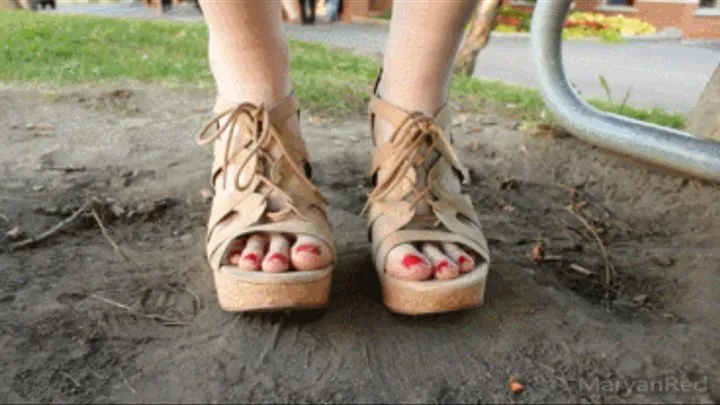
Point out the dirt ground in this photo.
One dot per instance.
(81, 323)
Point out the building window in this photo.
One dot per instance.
(710, 3)
(627, 3)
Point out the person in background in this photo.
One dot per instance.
(166, 6)
(307, 11)
(333, 10)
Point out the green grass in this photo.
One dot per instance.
(76, 49)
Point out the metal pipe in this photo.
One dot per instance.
(652, 143)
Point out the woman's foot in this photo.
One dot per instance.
(422, 140)
(269, 251)
(422, 225)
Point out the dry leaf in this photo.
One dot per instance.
(460, 119)
(44, 126)
(474, 146)
(537, 252)
(515, 386)
(508, 184)
(123, 93)
(580, 205)
(315, 120)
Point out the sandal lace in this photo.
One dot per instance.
(258, 133)
(414, 132)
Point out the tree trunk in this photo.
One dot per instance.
(477, 37)
(704, 119)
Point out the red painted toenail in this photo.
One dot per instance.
(312, 249)
(412, 260)
(462, 260)
(252, 257)
(277, 257)
(441, 266)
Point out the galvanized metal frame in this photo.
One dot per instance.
(666, 147)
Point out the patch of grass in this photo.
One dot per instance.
(74, 49)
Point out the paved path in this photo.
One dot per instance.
(667, 75)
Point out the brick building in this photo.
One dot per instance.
(698, 19)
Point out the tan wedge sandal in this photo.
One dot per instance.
(241, 207)
(419, 141)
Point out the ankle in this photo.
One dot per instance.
(424, 93)
(240, 79)
(425, 99)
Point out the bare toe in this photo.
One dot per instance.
(464, 261)
(407, 263)
(443, 267)
(310, 253)
(235, 252)
(252, 255)
(277, 258)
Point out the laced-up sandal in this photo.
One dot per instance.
(418, 148)
(241, 207)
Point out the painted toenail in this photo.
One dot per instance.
(277, 257)
(412, 260)
(312, 249)
(442, 266)
(251, 257)
(462, 260)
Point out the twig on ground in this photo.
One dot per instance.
(606, 259)
(128, 309)
(582, 270)
(107, 236)
(270, 346)
(65, 169)
(69, 377)
(127, 382)
(35, 239)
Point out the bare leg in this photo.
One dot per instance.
(424, 38)
(249, 59)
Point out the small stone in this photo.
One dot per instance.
(38, 187)
(664, 261)
(127, 174)
(474, 146)
(625, 303)
(640, 298)
(14, 233)
(489, 121)
(117, 210)
(460, 120)
(49, 211)
(206, 195)
(43, 126)
(126, 181)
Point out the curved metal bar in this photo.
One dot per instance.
(655, 144)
